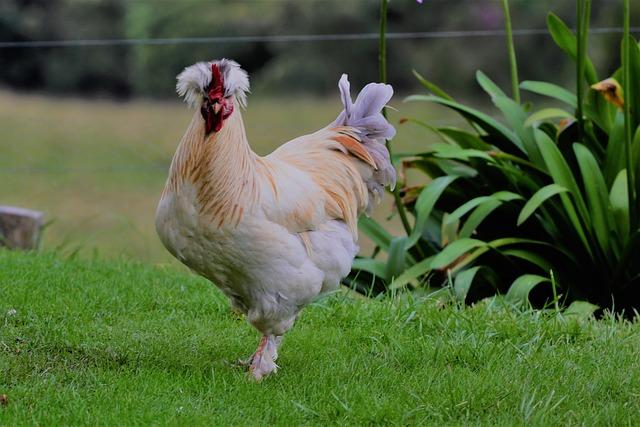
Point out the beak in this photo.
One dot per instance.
(217, 107)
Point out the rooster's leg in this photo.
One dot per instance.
(274, 342)
(273, 345)
(262, 362)
(246, 362)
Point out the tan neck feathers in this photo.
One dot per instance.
(220, 166)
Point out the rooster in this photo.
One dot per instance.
(271, 232)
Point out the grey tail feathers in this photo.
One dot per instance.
(365, 116)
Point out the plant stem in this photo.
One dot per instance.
(626, 77)
(515, 84)
(382, 47)
(584, 12)
(382, 65)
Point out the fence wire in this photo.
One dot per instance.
(289, 38)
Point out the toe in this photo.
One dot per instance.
(261, 367)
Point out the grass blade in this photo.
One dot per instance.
(567, 42)
(464, 139)
(450, 151)
(478, 216)
(562, 175)
(614, 160)
(507, 242)
(486, 122)
(375, 232)
(597, 196)
(396, 260)
(375, 267)
(546, 114)
(463, 282)
(581, 309)
(529, 256)
(431, 87)
(425, 204)
(538, 199)
(521, 287)
(489, 86)
(501, 196)
(453, 251)
(412, 273)
(619, 198)
(550, 90)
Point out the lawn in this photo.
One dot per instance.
(97, 167)
(115, 342)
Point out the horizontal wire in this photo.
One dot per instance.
(288, 38)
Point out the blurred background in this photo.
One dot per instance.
(89, 119)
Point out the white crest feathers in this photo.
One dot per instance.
(193, 81)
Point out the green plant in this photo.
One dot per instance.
(540, 195)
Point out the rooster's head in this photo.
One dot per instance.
(214, 87)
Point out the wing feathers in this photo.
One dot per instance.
(356, 148)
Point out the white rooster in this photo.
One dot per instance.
(271, 232)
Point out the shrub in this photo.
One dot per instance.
(542, 199)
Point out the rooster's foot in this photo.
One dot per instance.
(262, 363)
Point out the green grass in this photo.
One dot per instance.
(111, 343)
(97, 168)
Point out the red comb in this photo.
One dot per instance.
(213, 122)
(216, 88)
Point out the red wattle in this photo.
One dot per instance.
(215, 95)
